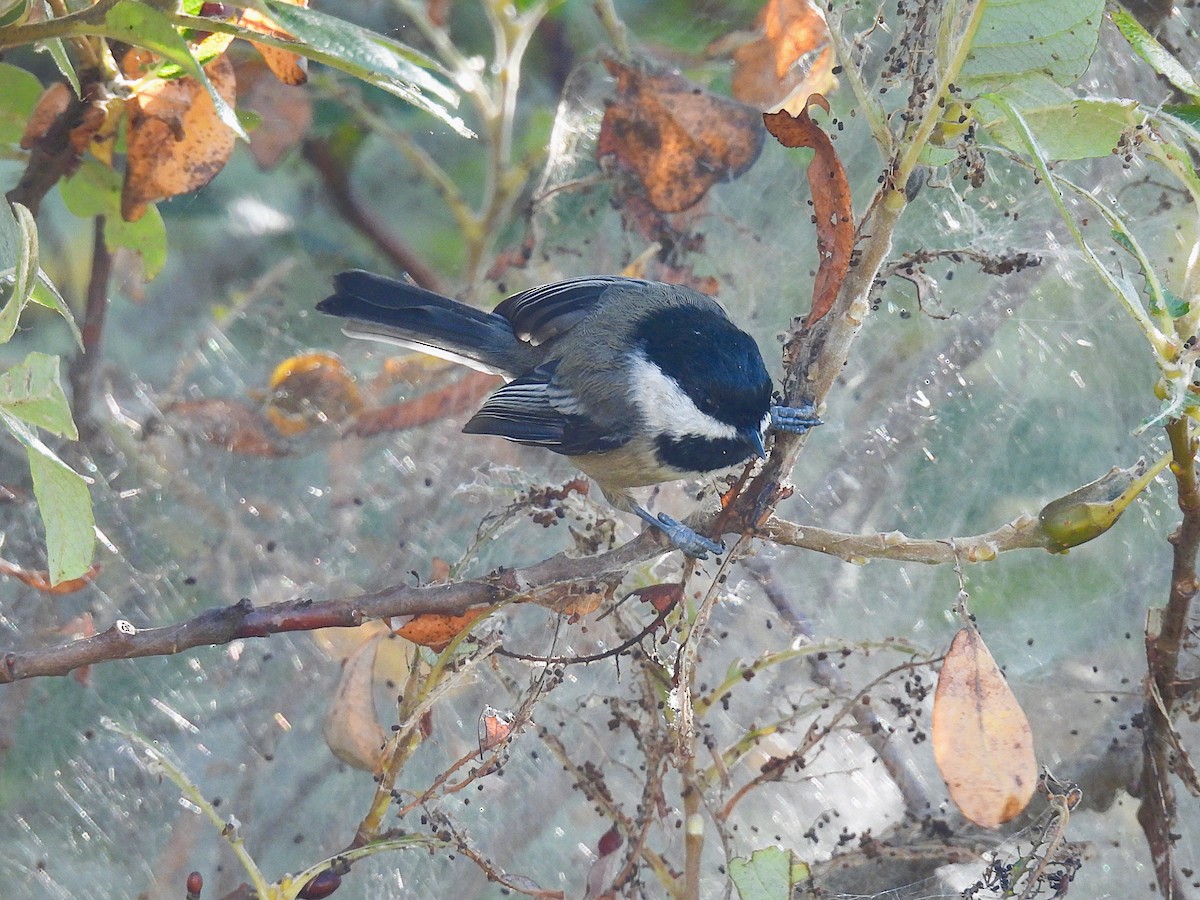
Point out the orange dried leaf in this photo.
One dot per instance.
(981, 739)
(52, 104)
(314, 389)
(437, 631)
(661, 596)
(175, 142)
(40, 579)
(833, 212)
(495, 726)
(351, 727)
(287, 67)
(676, 138)
(789, 59)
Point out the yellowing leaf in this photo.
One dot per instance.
(351, 726)
(981, 738)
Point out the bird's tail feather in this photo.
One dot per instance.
(398, 312)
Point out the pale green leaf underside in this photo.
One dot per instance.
(63, 502)
(1017, 38)
(32, 392)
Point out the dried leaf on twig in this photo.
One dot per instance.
(675, 137)
(833, 212)
(981, 739)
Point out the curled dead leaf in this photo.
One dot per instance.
(351, 727)
(661, 596)
(495, 726)
(288, 67)
(433, 406)
(437, 631)
(981, 738)
(789, 58)
(175, 142)
(39, 579)
(833, 213)
(311, 390)
(676, 138)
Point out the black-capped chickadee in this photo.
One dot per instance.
(635, 381)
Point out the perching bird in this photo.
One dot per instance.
(637, 382)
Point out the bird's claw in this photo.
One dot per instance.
(794, 419)
(686, 539)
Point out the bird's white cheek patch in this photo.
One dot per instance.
(667, 409)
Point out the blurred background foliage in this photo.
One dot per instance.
(971, 398)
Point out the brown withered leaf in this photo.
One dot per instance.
(437, 631)
(40, 579)
(175, 143)
(789, 59)
(351, 727)
(284, 110)
(662, 597)
(981, 739)
(495, 727)
(675, 137)
(433, 406)
(833, 212)
(52, 104)
(311, 390)
(288, 67)
(235, 426)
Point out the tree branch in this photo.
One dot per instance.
(1023, 533)
(1165, 633)
(337, 183)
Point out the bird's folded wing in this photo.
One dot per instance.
(543, 313)
(534, 410)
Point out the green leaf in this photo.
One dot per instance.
(26, 272)
(13, 12)
(1176, 305)
(1154, 53)
(33, 393)
(95, 190)
(1188, 112)
(19, 92)
(1078, 129)
(54, 46)
(142, 26)
(47, 295)
(374, 58)
(769, 874)
(1020, 38)
(147, 237)
(63, 502)
(18, 256)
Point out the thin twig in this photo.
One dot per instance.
(337, 183)
(82, 372)
(1157, 811)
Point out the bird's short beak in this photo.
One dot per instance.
(754, 437)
